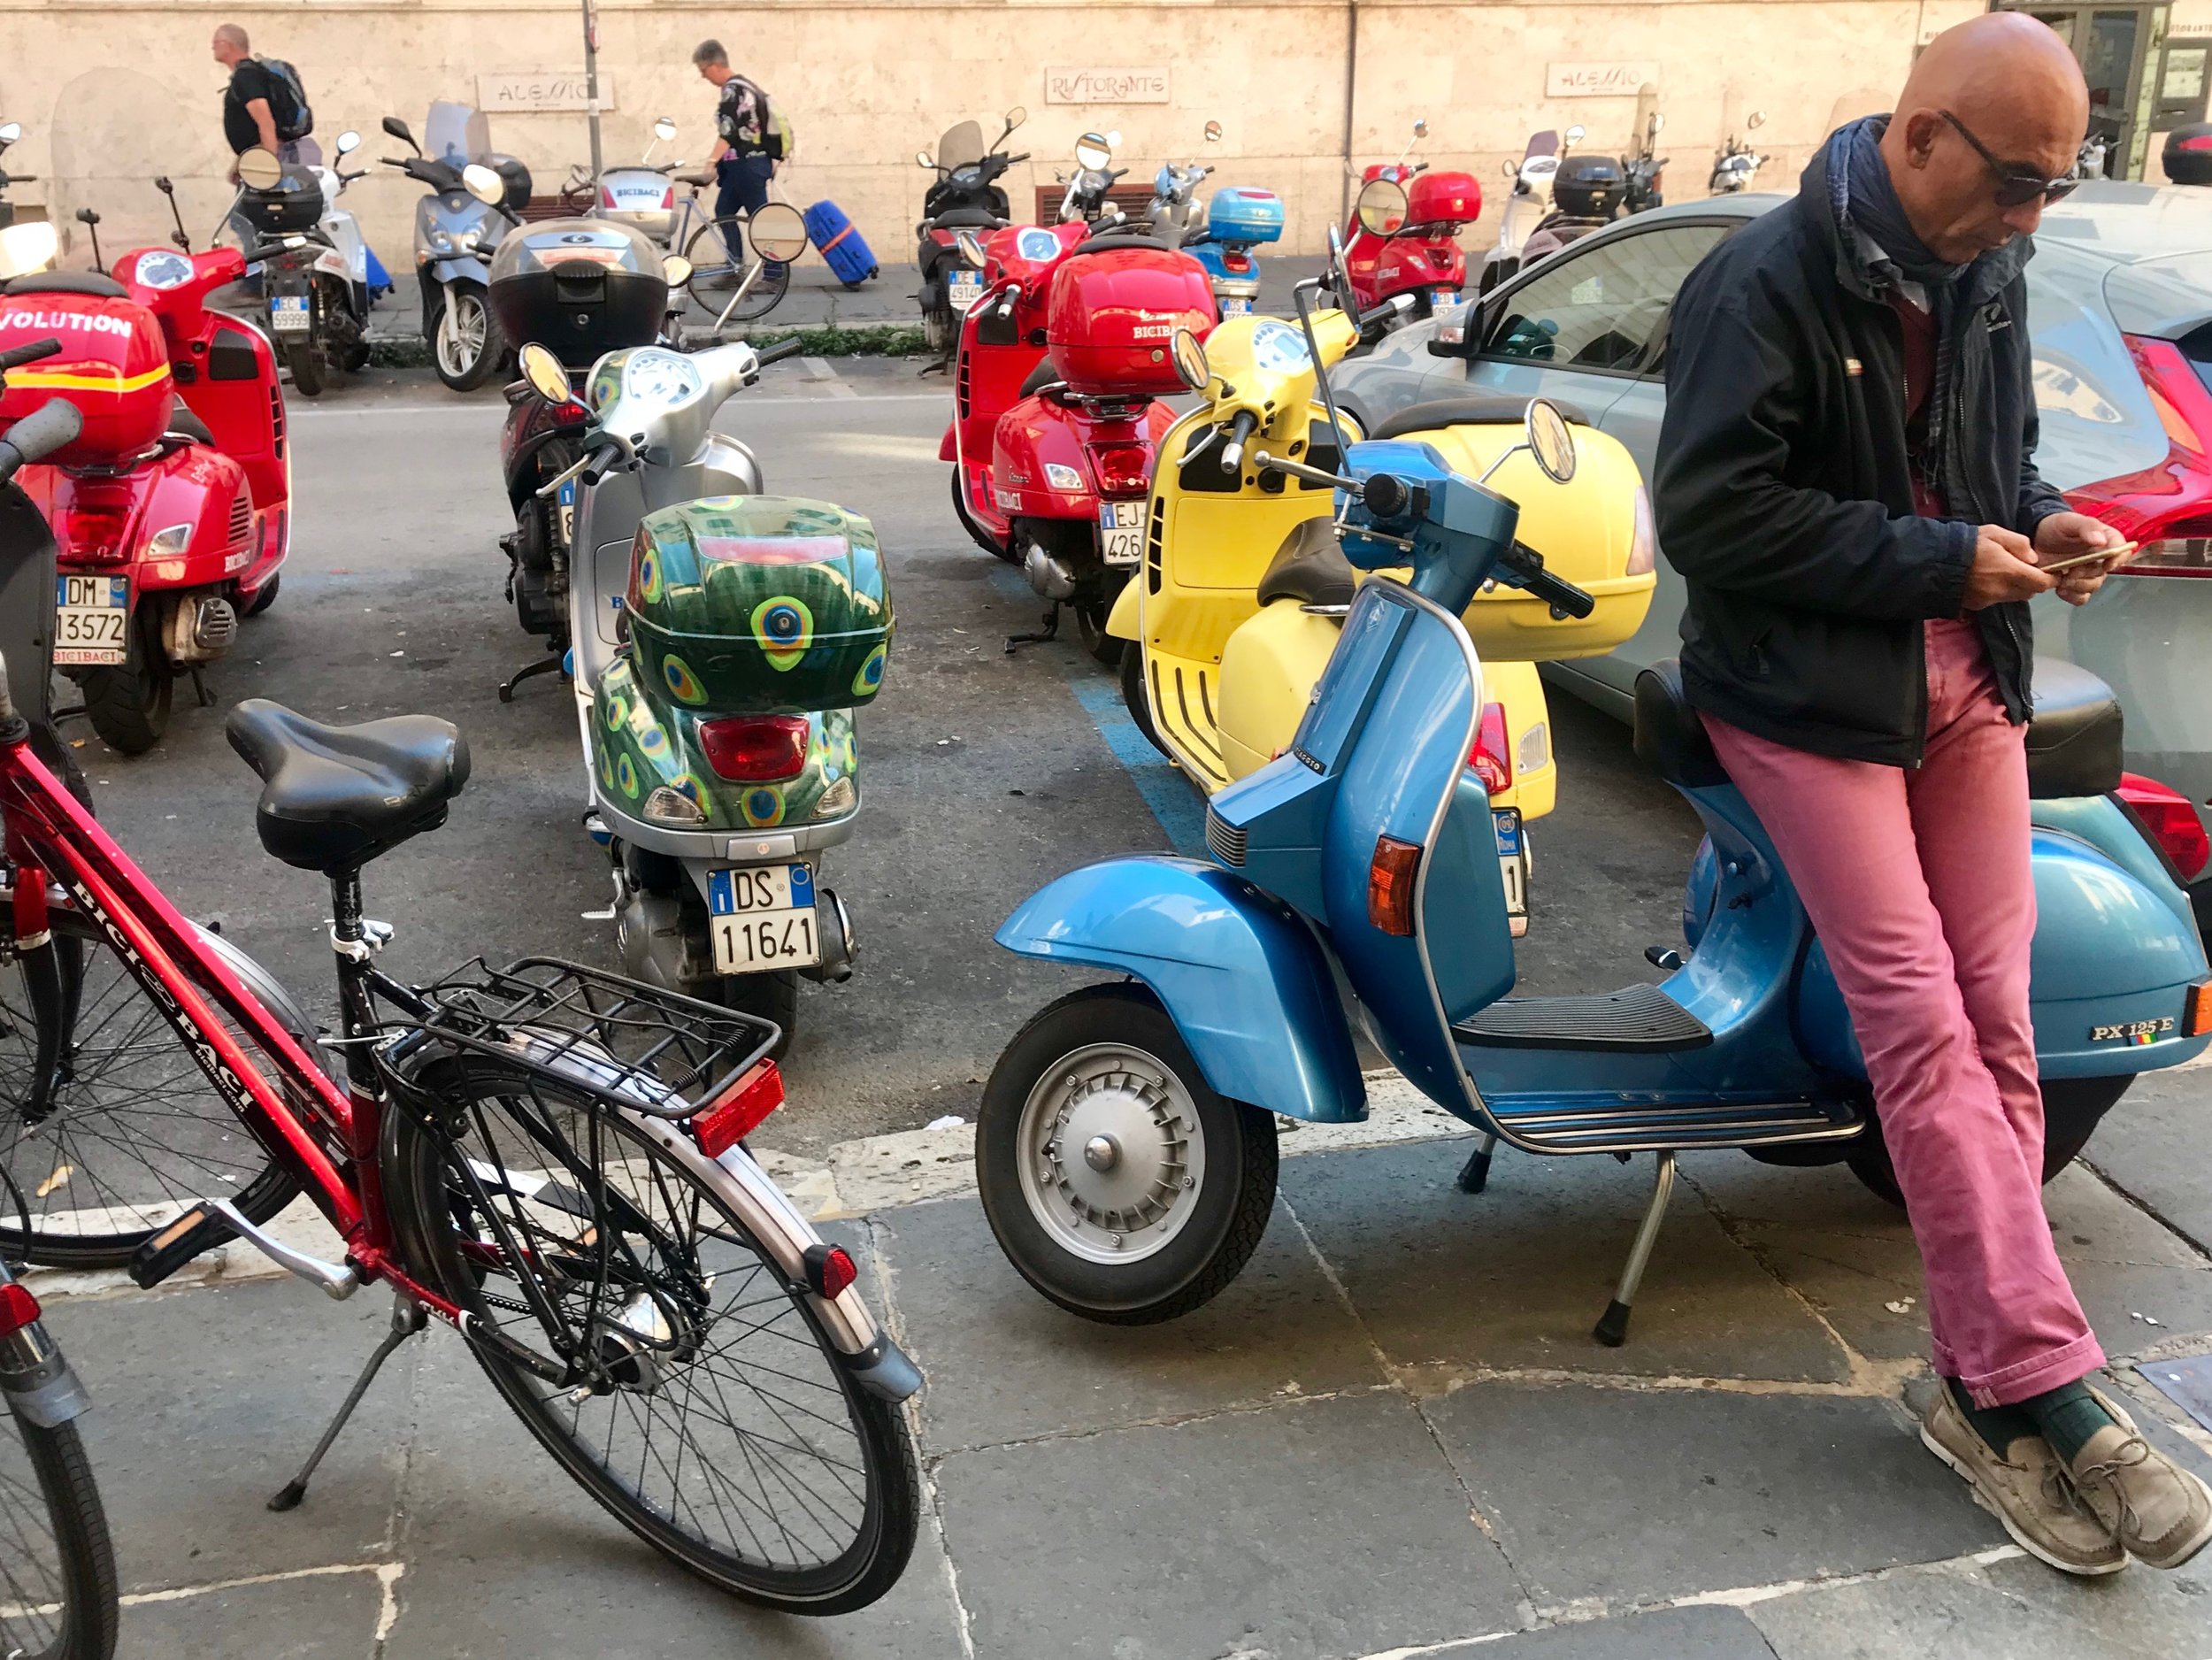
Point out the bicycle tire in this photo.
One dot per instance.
(435, 1220)
(171, 1139)
(89, 1612)
(715, 273)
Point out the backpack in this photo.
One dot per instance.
(774, 131)
(786, 141)
(287, 100)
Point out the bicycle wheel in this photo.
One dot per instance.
(711, 1419)
(128, 1132)
(57, 1566)
(715, 273)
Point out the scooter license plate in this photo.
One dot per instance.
(964, 289)
(567, 515)
(1238, 305)
(761, 916)
(91, 624)
(1121, 532)
(288, 313)
(1439, 299)
(1513, 864)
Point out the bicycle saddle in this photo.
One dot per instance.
(334, 798)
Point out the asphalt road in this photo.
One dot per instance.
(985, 774)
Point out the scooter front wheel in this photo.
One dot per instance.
(1115, 1178)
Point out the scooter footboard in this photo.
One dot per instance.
(1248, 984)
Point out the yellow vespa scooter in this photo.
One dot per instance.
(1240, 596)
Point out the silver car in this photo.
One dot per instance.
(2120, 309)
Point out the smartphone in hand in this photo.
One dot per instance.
(2121, 552)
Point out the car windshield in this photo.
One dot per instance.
(457, 132)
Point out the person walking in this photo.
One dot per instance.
(1846, 479)
(249, 119)
(747, 146)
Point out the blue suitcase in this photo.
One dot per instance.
(836, 240)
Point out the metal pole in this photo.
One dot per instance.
(591, 86)
(1351, 87)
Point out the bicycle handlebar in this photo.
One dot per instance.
(16, 357)
(38, 436)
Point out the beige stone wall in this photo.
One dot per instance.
(113, 92)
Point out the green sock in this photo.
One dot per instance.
(1998, 1427)
(2068, 1416)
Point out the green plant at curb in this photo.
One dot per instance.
(900, 340)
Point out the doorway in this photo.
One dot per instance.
(2116, 46)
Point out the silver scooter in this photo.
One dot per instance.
(456, 231)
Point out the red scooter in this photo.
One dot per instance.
(173, 518)
(1056, 379)
(1418, 252)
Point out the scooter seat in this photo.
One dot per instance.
(334, 798)
(1466, 411)
(184, 424)
(968, 218)
(1111, 239)
(92, 282)
(2073, 733)
(1309, 568)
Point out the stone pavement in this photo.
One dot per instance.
(1392, 1436)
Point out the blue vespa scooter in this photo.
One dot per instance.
(1222, 234)
(1126, 1145)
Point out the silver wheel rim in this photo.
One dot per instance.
(460, 334)
(1110, 1154)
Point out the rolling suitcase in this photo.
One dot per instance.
(836, 240)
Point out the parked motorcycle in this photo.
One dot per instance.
(1736, 163)
(455, 233)
(1050, 473)
(174, 520)
(1644, 170)
(964, 195)
(1087, 199)
(1526, 204)
(10, 131)
(1125, 1145)
(643, 193)
(1419, 254)
(722, 640)
(1246, 590)
(315, 286)
(1587, 194)
(1221, 233)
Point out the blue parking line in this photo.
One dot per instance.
(1173, 799)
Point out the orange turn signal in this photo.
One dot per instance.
(2196, 1011)
(1390, 875)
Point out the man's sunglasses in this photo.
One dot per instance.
(2015, 186)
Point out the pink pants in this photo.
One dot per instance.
(1918, 884)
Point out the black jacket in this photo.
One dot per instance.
(1783, 488)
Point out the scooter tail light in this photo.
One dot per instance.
(668, 197)
(2196, 1011)
(1390, 879)
(1643, 544)
(1492, 757)
(2165, 508)
(18, 1309)
(756, 748)
(1122, 469)
(738, 1111)
(1238, 262)
(2201, 141)
(606, 198)
(2171, 818)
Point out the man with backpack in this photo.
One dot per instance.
(747, 142)
(264, 106)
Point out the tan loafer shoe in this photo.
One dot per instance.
(2027, 1488)
(2160, 1511)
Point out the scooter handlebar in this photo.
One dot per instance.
(780, 350)
(1556, 592)
(38, 436)
(15, 357)
(1240, 430)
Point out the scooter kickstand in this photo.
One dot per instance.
(407, 1319)
(1474, 1175)
(1051, 631)
(1612, 1326)
(543, 666)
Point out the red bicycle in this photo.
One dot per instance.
(546, 1159)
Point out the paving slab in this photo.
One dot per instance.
(314, 1617)
(2137, 1143)
(205, 1402)
(1303, 1531)
(1516, 1276)
(508, 1557)
(1629, 1494)
(2017, 1608)
(1004, 1365)
(1667, 1633)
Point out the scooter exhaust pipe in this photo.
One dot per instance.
(834, 925)
(1049, 576)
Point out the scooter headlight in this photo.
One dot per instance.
(441, 242)
(467, 238)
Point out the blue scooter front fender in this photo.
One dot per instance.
(1245, 980)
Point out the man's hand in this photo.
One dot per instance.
(2004, 568)
(2068, 536)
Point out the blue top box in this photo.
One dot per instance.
(1237, 214)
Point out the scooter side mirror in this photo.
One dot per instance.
(258, 170)
(348, 142)
(1016, 116)
(86, 216)
(970, 248)
(545, 375)
(1420, 126)
(664, 129)
(1381, 207)
(484, 183)
(1095, 151)
(1511, 170)
(1758, 118)
(676, 269)
(1550, 440)
(10, 131)
(1658, 124)
(1190, 361)
(776, 233)
(30, 246)
(396, 128)
(922, 160)
(1213, 132)
(1575, 133)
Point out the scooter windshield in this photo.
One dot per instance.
(457, 132)
(962, 146)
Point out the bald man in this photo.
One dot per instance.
(248, 122)
(1847, 481)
